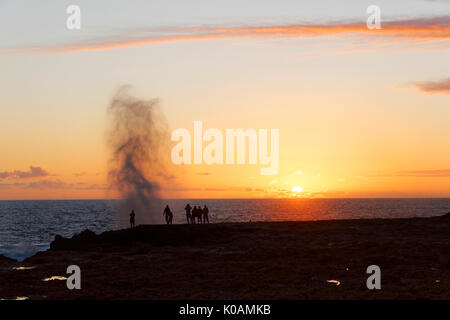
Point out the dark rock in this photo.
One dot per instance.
(78, 241)
(157, 235)
(4, 261)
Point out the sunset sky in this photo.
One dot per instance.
(361, 113)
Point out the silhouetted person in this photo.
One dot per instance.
(205, 213)
(132, 215)
(194, 215)
(188, 209)
(168, 214)
(199, 214)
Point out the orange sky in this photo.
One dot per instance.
(361, 113)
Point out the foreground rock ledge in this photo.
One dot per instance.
(267, 260)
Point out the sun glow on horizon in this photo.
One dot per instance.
(297, 189)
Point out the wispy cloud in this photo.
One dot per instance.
(437, 173)
(204, 173)
(47, 184)
(434, 87)
(434, 28)
(34, 172)
(425, 173)
(51, 185)
(80, 174)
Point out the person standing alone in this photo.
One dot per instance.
(132, 221)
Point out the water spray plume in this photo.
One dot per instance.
(138, 140)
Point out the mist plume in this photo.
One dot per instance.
(137, 137)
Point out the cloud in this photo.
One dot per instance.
(48, 184)
(53, 184)
(10, 185)
(4, 175)
(438, 173)
(40, 184)
(215, 189)
(80, 174)
(434, 87)
(425, 173)
(166, 176)
(432, 28)
(58, 184)
(204, 173)
(34, 172)
(95, 186)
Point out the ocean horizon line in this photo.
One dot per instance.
(287, 198)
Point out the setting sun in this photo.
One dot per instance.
(297, 189)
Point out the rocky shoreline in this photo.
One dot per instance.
(261, 260)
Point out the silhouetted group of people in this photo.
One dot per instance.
(196, 214)
(193, 215)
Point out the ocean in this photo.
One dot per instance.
(27, 227)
